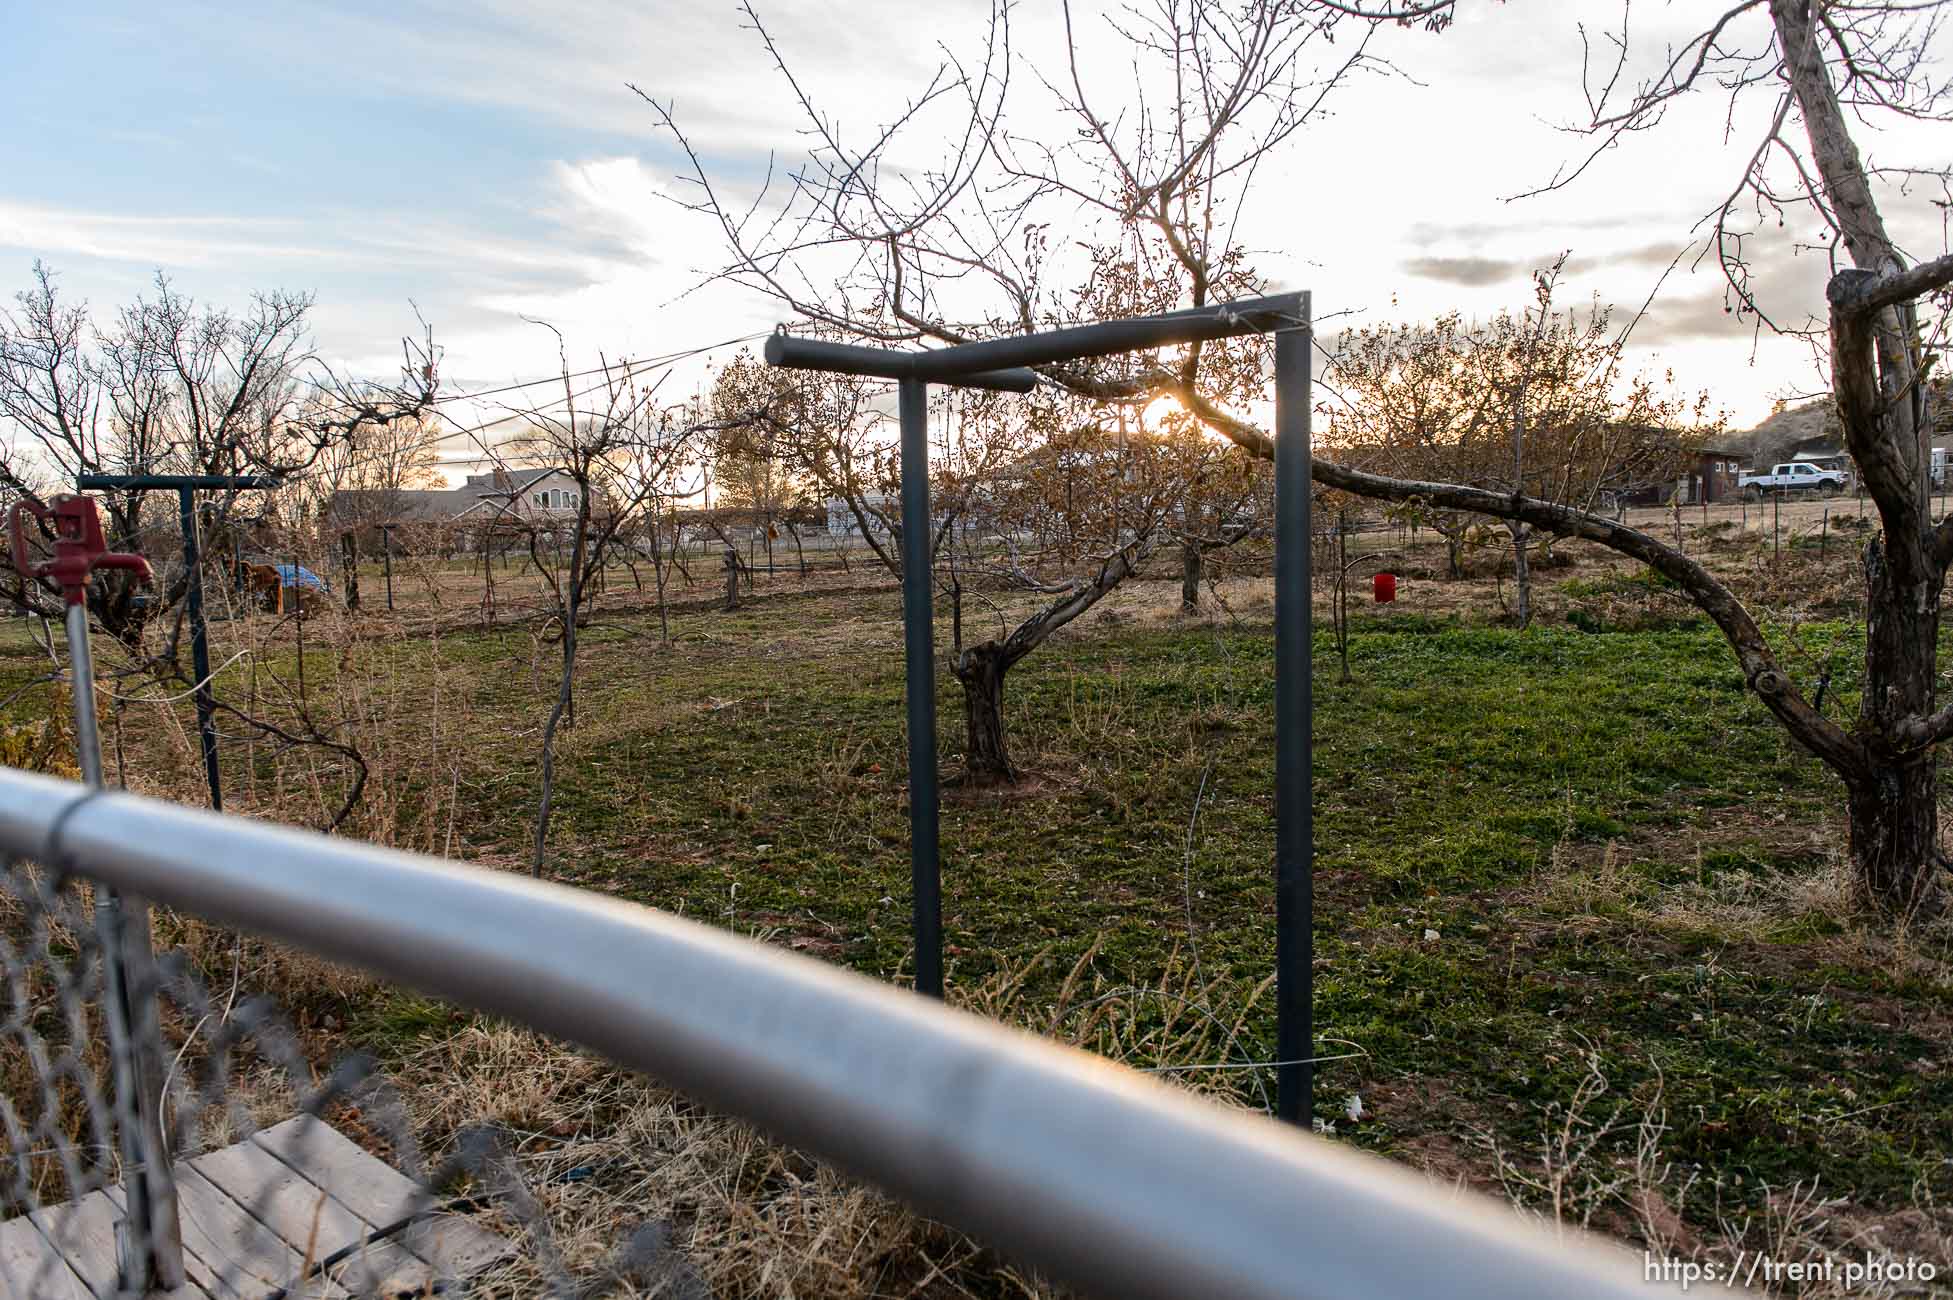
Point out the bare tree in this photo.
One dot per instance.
(1822, 60)
(172, 387)
(916, 254)
(1535, 404)
(626, 456)
(1037, 498)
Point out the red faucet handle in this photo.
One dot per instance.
(79, 548)
(78, 527)
(123, 560)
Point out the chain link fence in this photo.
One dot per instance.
(233, 1067)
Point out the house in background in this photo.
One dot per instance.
(521, 498)
(1942, 461)
(841, 521)
(1710, 477)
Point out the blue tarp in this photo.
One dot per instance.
(297, 575)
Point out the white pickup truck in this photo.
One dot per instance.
(1792, 476)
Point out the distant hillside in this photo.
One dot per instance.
(1815, 423)
(1790, 431)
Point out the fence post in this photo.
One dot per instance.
(918, 630)
(200, 646)
(1294, 665)
(150, 1245)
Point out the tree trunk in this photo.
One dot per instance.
(563, 713)
(799, 551)
(1894, 801)
(1895, 852)
(981, 669)
(1454, 553)
(349, 552)
(1192, 563)
(1522, 578)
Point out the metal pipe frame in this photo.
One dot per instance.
(978, 365)
(919, 657)
(186, 486)
(1294, 744)
(176, 482)
(986, 365)
(1108, 1179)
(796, 353)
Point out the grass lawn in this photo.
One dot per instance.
(1581, 931)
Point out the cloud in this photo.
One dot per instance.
(573, 62)
(1788, 286)
(1471, 272)
(151, 240)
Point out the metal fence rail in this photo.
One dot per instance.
(1108, 1180)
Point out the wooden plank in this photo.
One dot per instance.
(423, 1258)
(197, 1278)
(374, 1190)
(29, 1266)
(243, 1259)
(431, 1245)
(384, 1268)
(305, 1217)
(456, 1246)
(83, 1232)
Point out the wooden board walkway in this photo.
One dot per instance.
(295, 1210)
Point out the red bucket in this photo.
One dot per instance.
(1385, 585)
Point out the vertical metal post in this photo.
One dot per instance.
(386, 555)
(919, 645)
(151, 1240)
(200, 647)
(1294, 666)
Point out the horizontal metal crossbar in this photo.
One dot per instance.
(796, 353)
(1091, 1171)
(175, 482)
(983, 363)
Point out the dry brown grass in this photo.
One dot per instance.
(1575, 1176)
(605, 1157)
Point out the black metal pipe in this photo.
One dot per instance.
(991, 364)
(968, 363)
(386, 557)
(185, 485)
(1294, 666)
(176, 482)
(796, 353)
(919, 647)
(1192, 325)
(200, 646)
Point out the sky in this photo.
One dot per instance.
(486, 165)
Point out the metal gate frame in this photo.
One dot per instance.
(1002, 364)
